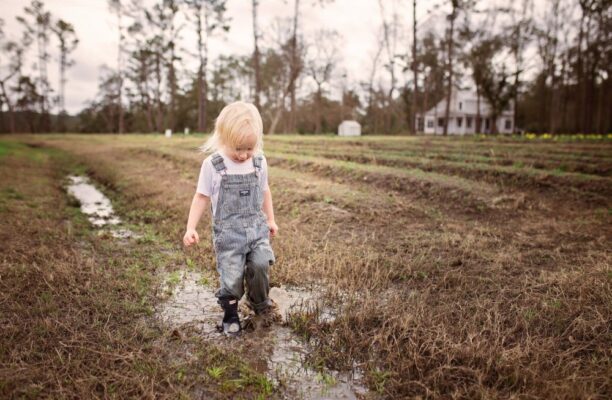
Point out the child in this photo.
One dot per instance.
(235, 180)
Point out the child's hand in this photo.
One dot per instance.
(191, 237)
(273, 228)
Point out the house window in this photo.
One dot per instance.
(460, 107)
(430, 123)
(420, 124)
(468, 122)
(440, 122)
(459, 121)
(508, 124)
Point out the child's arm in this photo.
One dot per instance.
(198, 205)
(268, 209)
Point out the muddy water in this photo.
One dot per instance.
(191, 301)
(97, 207)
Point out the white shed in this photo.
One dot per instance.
(349, 128)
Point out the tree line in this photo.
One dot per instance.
(549, 60)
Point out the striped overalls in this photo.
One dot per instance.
(241, 236)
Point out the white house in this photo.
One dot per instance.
(349, 128)
(462, 116)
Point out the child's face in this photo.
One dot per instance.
(243, 150)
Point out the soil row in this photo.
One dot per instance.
(595, 190)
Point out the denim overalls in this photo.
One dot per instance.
(241, 236)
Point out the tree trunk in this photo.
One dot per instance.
(10, 108)
(425, 99)
(62, 82)
(586, 111)
(42, 41)
(478, 116)
(159, 114)
(608, 90)
(414, 69)
(172, 69)
(553, 106)
(256, 55)
(121, 121)
(319, 106)
(600, 102)
(275, 119)
(372, 75)
(579, 77)
(493, 126)
(564, 96)
(450, 67)
(202, 87)
(294, 68)
(173, 89)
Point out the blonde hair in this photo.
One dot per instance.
(234, 122)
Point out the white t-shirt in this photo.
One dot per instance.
(209, 181)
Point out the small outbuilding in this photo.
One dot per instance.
(349, 128)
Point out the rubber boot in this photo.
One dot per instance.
(231, 321)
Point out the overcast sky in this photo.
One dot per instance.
(357, 21)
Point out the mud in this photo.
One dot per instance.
(190, 302)
(97, 207)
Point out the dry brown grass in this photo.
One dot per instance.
(437, 296)
(75, 307)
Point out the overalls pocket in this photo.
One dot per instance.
(217, 235)
(239, 198)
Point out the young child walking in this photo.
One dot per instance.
(233, 181)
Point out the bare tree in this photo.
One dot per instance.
(295, 65)
(390, 33)
(548, 49)
(140, 67)
(160, 20)
(592, 64)
(67, 44)
(208, 16)
(286, 72)
(153, 28)
(415, 70)
(13, 52)
(320, 65)
(480, 45)
(172, 8)
(38, 26)
(118, 8)
(449, 61)
(374, 68)
(496, 83)
(27, 99)
(390, 30)
(256, 56)
(520, 33)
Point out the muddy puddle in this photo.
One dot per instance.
(190, 301)
(97, 207)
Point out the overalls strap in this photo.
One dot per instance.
(257, 163)
(217, 162)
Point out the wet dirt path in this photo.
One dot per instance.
(187, 302)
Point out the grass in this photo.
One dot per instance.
(432, 298)
(76, 307)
